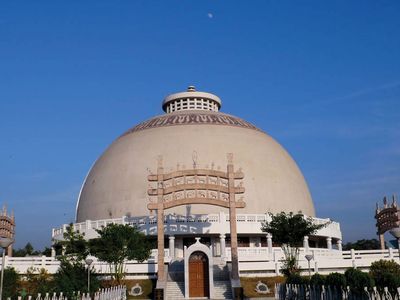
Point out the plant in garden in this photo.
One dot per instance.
(117, 243)
(38, 282)
(335, 279)
(317, 280)
(296, 278)
(10, 283)
(386, 273)
(74, 247)
(289, 230)
(71, 277)
(357, 280)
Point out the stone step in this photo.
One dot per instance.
(175, 290)
(222, 290)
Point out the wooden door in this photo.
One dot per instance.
(198, 275)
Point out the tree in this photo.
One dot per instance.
(74, 246)
(386, 273)
(38, 282)
(28, 250)
(11, 283)
(363, 244)
(289, 231)
(71, 277)
(117, 243)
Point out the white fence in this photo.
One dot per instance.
(113, 293)
(303, 292)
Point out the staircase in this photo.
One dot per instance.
(222, 283)
(222, 290)
(176, 286)
(175, 290)
(175, 281)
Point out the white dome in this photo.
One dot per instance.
(117, 183)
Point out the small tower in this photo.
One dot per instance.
(7, 227)
(191, 100)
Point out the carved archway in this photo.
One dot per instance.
(196, 186)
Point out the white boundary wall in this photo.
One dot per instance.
(252, 261)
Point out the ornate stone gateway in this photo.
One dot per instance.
(198, 275)
(196, 186)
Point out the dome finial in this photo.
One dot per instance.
(191, 100)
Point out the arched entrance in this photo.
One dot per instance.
(198, 275)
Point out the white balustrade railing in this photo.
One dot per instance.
(206, 223)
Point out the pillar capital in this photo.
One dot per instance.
(222, 236)
(171, 237)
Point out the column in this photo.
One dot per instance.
(329, 243)
(382, 241)
(53, 252)
(222, 243)
(269, 243)
(305, 244)
(232, 218)
(172, 246)
(160, 221)
(339, 245)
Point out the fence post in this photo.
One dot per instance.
(43, 262)
(353, 258)
(276, 263)
(390, 253)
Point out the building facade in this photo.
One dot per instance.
(214, 166)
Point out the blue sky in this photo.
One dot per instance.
(322, 77)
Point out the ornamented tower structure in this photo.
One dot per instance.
(7, 227)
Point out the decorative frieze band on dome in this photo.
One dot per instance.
(192, 119)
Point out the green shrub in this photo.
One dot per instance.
(10, 283)
(357, 280)
(317, 279)
(336, 279)
(71, 278)
(295, 278)
(38, 281)
(386, 273)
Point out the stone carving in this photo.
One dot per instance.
(213, 195)
(167, 198)
(261, 288)
(192, 118)
(136, 290)
(225, 197)
(179, 195)
(190, 194)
